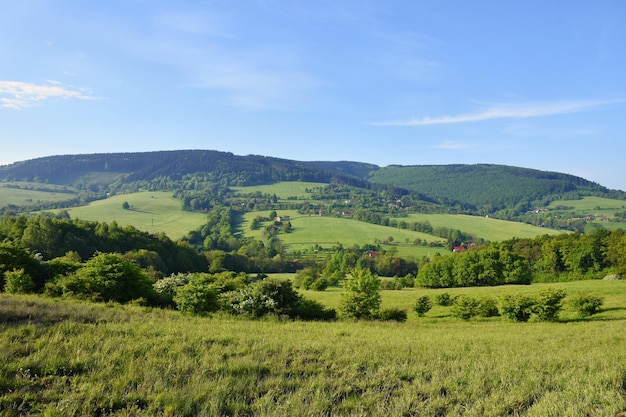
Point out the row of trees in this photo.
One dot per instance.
(564, 257)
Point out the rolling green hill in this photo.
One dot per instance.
(152, 212)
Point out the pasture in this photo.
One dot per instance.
(27, 193)
(63, 357)
(487, 228)
(286, 190)
(590, 204)
(152, 212)
(309, 230)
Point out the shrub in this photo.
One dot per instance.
(465, 307)
(312, 310)
(549, 303)
(18, 282)
(105, 277)
(444, 299)
(198, 296)
(269, 296)
(422, 305)
(392, 314)
(309, 278)
(586, 304)
(517, 307)
(488, 307)
(361, 296)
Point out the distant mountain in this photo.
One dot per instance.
(482, 188)
(148, 166)
(498, 186)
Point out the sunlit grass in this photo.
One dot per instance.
(152, 212)
(68, 358)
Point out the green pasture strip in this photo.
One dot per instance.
(613, 292)
(283, 190)
(590, 204)
(24, 197)
(152, 212)
(487, 228)
(408, 250)
(69, 358)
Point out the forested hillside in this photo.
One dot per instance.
(203, 177)
(224, 167)
(489, 188)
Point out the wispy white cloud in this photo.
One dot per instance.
(19, 95)
(507, 111)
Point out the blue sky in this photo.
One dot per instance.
(534, 84)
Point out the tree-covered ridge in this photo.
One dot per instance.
(165, 167)
(488, 187)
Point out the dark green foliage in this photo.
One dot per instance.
(488, 187)
(55, 237)
(517, 307)
(392, 314)
(586, 304)
(310, 278)
(198, 295)
(18, 282)
(548, 303)
(465, 307)
(488, 307)
(422, 305)
(492, 264)
(14, 256)
(312, 310)
(361, 296)
(444, 299)
(266, 297)
(105, 277)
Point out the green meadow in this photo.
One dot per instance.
(9, 194)
(284, 190)
(309, 230)
(153, 212)
(590, 204)
(487, 228)
(68, 358)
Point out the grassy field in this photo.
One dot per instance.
(65, 358)
(326, 231)
(22, 196)
(590, 204)
(601, 209)
(283, 190)
(491, 229)
(152, 212)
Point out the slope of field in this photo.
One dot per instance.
(25, 194)
(284, 190)
(69, 358)
(152, 212)
(326, 231)
(487, 228)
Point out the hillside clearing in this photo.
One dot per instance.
(152, 212)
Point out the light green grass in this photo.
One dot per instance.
(61, 358)
(152, 212)
(283, 190)
(613, 292)
(309, 230)
(24, 197)
(590, 204)
(487, 228)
